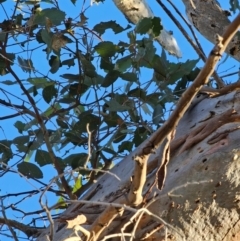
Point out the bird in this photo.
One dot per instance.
(136, 10)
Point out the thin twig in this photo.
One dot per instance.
(45, 133)
(89, 146)
(7, 223)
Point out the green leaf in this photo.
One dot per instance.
(28, 156)
(109, 150)
(153, 99)
(76, 160)
(72, 77)
(138, 92)
(156, 26)
(120, 134)
(145, 108)
(73, 137)
(77, 184)
(234, 5)
(30, 170)
(103, 26)
(55, 63)
(47, 37)
(55, 137)
(42, 158)
(87, 118)
(124, 63)
(9, 82)
(73, 2)
(106, 49)
(143, 26)
(129, 77)
(61, 123)
(69, 62)
(55, 15)
(22, 148)
(63, 203)
(88, 68)
(76, 89)
(176, 71)
(110, 78)
(83, 19)
(26, 64)
(4, 60)
(39, 36)
(164, 58)
(2, 36)
(30, 124)
(183, 83)
(140, 135)
(38, 138)
(106, 64)
(125, 146)
(157, 114)
(5, 149)
(49, 111)
(147, 24)
(113, 105)
(112, 119)
(49, 92)
(39, 82)
(160, 69)
(132, 111)
(98, 80)
(18, 19)
(20, 126)
(21, 140)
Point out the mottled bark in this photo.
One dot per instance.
(210, 19)
(200, 198)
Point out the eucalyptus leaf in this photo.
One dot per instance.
(30, 170)
(49, 92)
(55, 15)
(103, 26)
(106, 49)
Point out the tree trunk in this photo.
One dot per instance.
(200, 198)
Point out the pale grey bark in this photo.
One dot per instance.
(210, 19)
(201, 195)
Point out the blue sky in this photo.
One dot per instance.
(107, 11)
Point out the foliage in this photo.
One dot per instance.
(115, 114)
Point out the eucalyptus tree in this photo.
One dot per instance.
(118, 138)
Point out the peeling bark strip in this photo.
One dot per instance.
(139, 177)
(163, 155)
(207, 128)
(162, 168)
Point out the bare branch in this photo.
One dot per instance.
(6, 221)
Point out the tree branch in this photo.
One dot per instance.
(184, 102)
(29, 231)
(44, 130)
